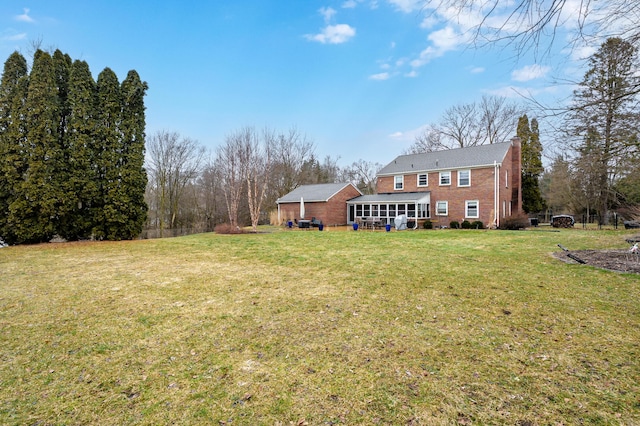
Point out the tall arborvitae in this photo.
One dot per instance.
(108, 215)
(13, 92)
(71, 151)
(134, 176)
(81, 185)
(35, 211)
(532, 169)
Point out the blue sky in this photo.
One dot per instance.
(358, 77)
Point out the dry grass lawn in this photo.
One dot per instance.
(321, 328)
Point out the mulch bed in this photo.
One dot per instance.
(613, 260)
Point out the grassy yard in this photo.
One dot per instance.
(320, 328)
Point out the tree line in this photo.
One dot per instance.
(599, 168)
(71, 151)
(191, 190)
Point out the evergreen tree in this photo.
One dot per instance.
(532, 169)
(134, 176)
(81, 185)
(34, 212)
(13, 91)
(71, 151)
(107, 209)
(604, 118)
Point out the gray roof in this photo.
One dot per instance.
(396, 197)
(320, 192)
(471, 157)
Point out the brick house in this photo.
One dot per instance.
(475, 183)
(325, 202)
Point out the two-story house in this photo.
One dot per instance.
(475, 183)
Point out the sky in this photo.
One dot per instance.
(359, 78)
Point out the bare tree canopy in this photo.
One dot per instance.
(173, 162)
(536, 24)
(492, 120)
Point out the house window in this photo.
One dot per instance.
(471, 209)
(442, 208)
(464, 177)
(398, 183)
(423, 179)
(506, 178)
(423, 211)
(445, 178)
(383, 210)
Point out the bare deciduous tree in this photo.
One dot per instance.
(492, 120)
(363, 174)
(429, 140)
(532, 25)
(257, 156)
(499, 118)
(291, 151)
(173, 162)
(228, 164)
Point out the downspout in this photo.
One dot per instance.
(496, 193)
(279, 220)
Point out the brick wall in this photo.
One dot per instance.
(481, 189)
(332, 212)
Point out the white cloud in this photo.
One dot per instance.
(477, 70)
(380, 77)
(15, 37)
(443, 41)
(327, 13)
(407, 5)
(580, 53)
(530, 72)
(25, 17)
(333, 34)
(429, 21)
(349, 4)
(411, 74)
(515, 92)
(408, 135)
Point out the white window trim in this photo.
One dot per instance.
(444, 174)
(466, 209)
(446, 205)
(465, 170)
(506, 178)
(395, 188)
(418, 179)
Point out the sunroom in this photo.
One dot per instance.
(386, 207)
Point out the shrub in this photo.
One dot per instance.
(428, 224)
(466, 224)
(477, 224)
(226, 228)
(520, 221)
(454, 224)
